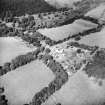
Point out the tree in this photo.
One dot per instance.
(30, 18)
(78, 50)
(47, 50)
(11, 34)
(1, 90)
(37, 99)
(58, 83)
(3, 97)
(45, 93)
(1, 71)
(51, 87)
(6, 67)
(37, 44)
(36, 52)
(40, 56)
(42, 48)
(40, 16)
(31, 24)
(58, 104)
(64, 77)
(77, 38)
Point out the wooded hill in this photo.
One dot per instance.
(20, 7)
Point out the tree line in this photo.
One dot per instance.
(19, 61)
(61, 77)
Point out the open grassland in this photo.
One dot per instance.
(22, 84)
(62, 32)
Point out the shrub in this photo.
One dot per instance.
(77, 38)
(42, 48)
(30, 18)
(40, 56)
(51, 87)
(47, 50)
(78, 50)
(58, 104)
(45, 93)
(58, 83)
(1, 71)
(6, 67)
(1, 90)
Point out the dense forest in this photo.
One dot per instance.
(20, 7)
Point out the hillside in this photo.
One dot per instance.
(20, 7)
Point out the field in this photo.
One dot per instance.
(95, 39)
(79, 90)
(22, 84)
(62, 32)
(12, 47)
(97, 12)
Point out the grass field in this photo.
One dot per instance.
(96, 12)
(11, 47)
(22, 84)
(79, 90)
(95, 39)
(62, 32)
